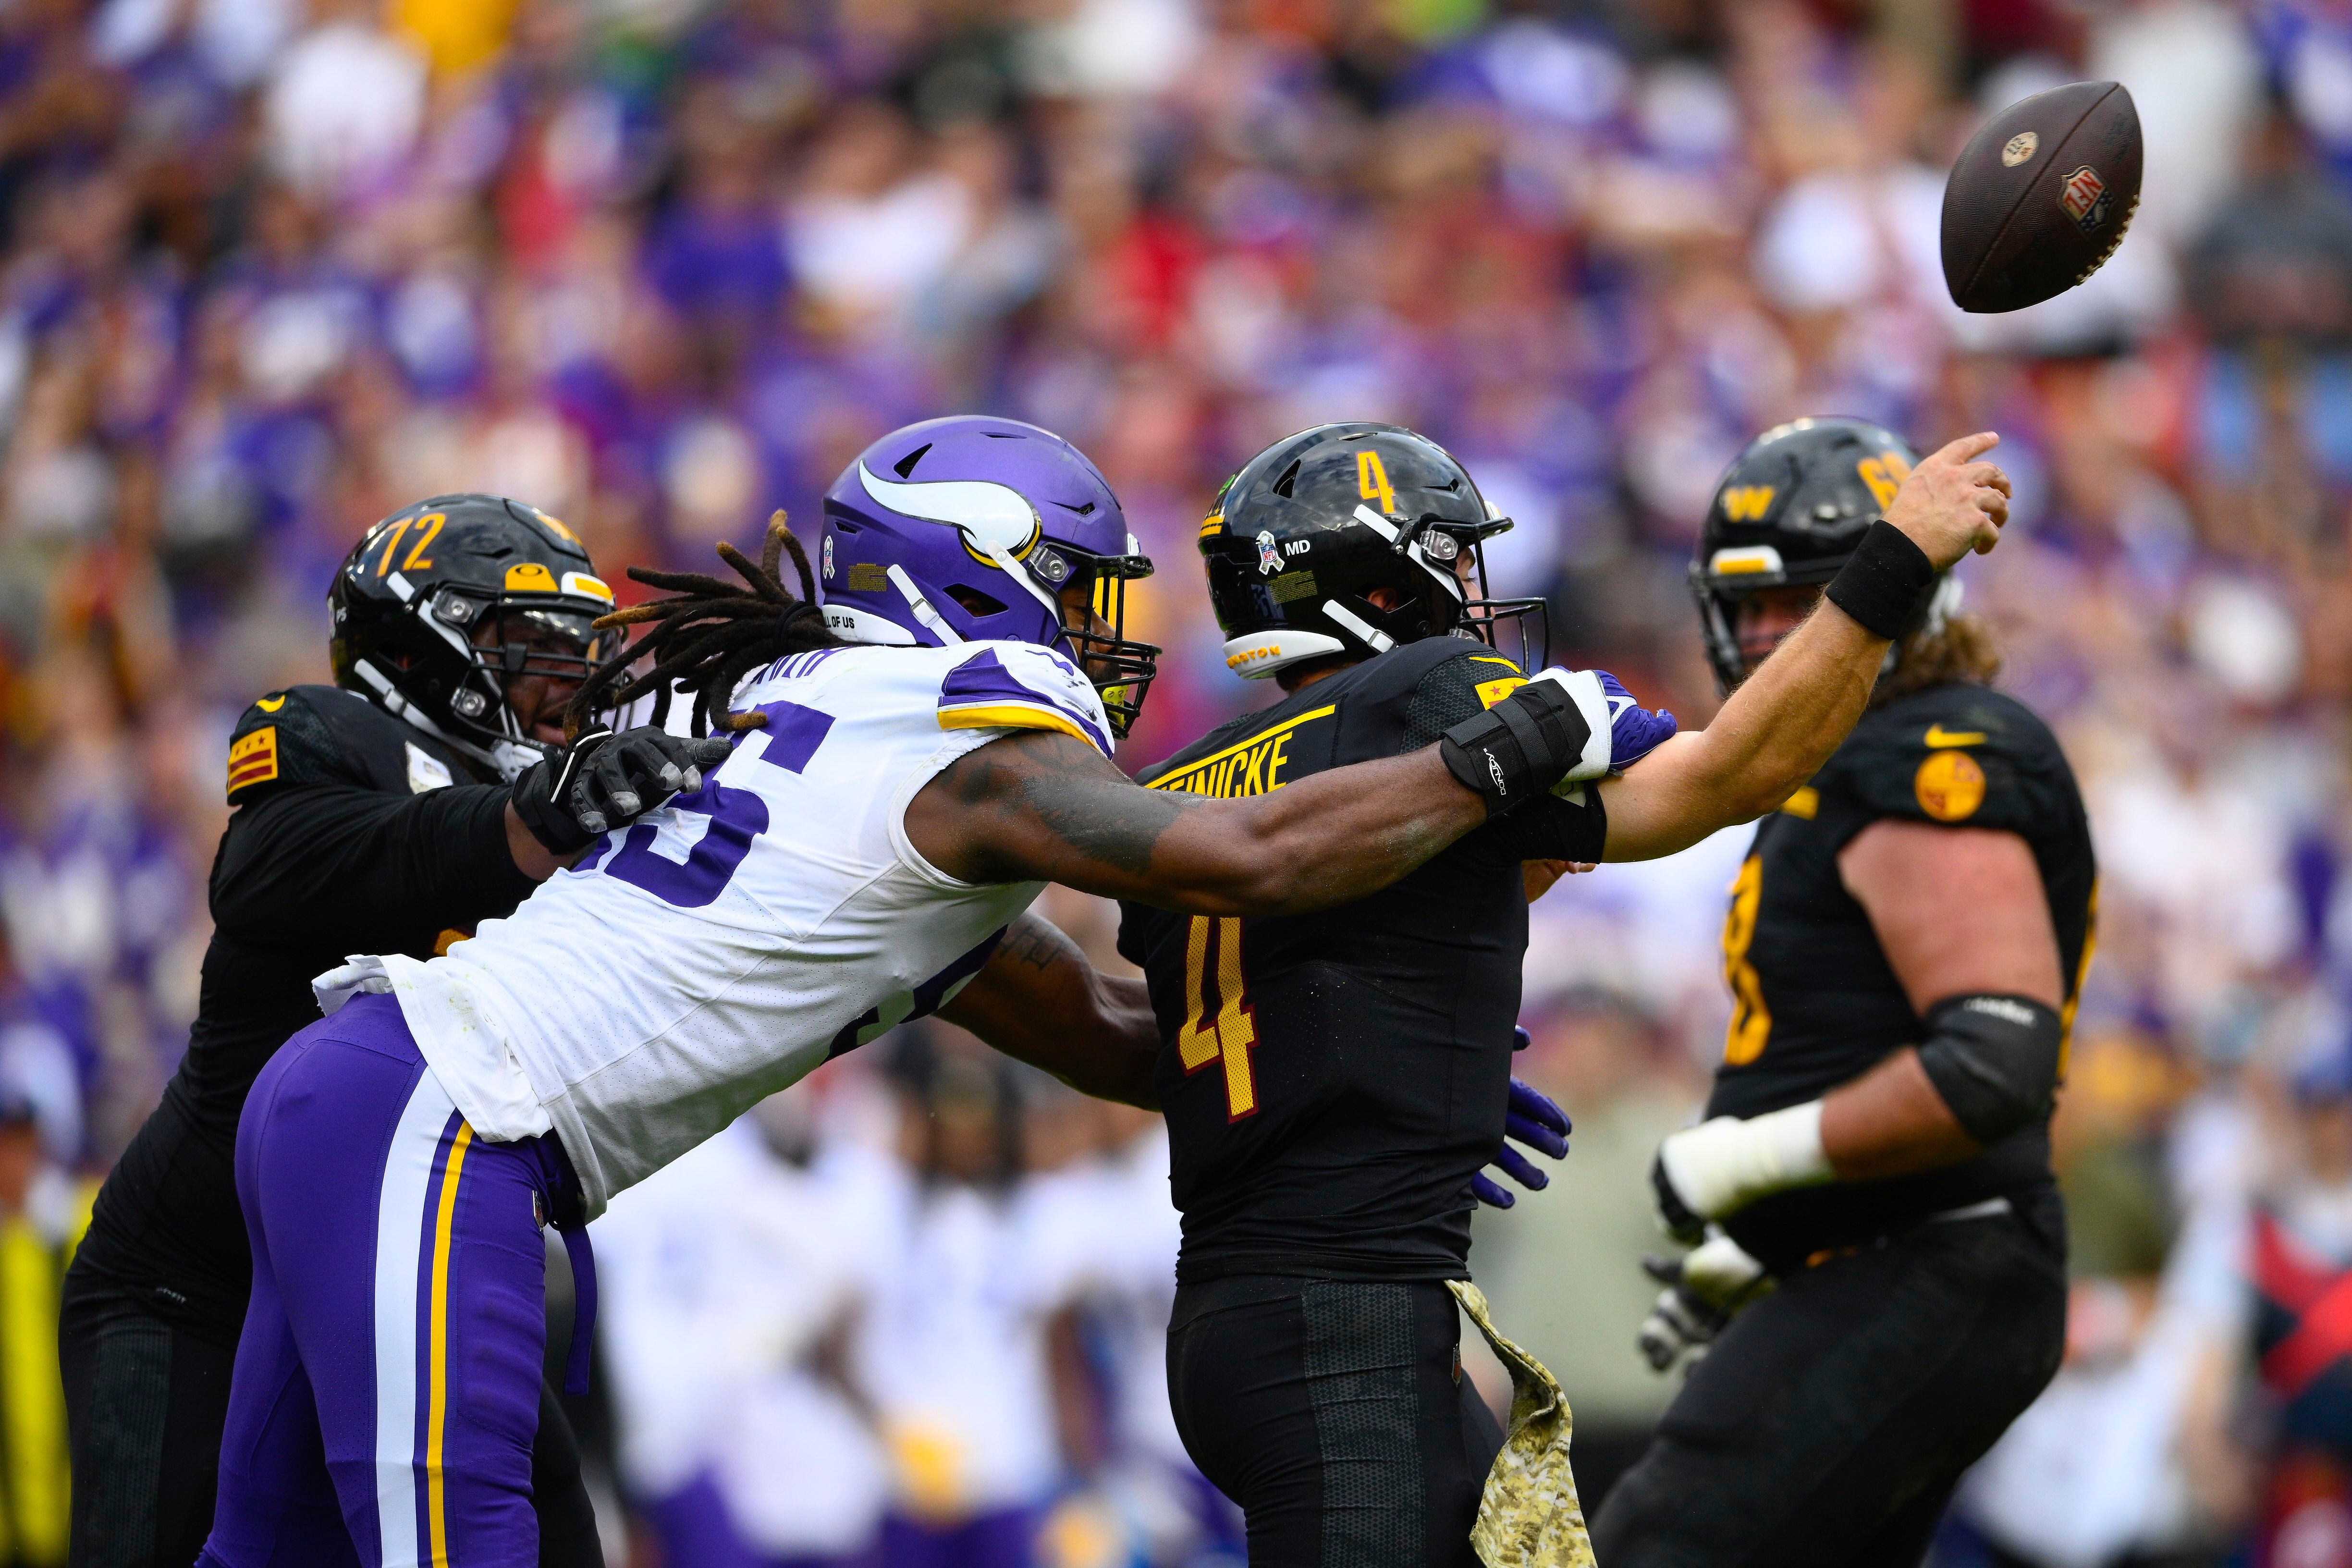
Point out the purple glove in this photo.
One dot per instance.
(1532, 1120)
(1635, 731)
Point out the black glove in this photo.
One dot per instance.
(603, 781)
(1533, 1119)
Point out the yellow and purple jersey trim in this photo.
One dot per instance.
(982, 693)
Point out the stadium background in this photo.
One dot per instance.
(269, 269)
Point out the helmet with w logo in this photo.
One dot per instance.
(1790, 510)
(971, 528)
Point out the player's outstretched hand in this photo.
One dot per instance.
(603, 780)
(1704, 1289)
(1954, 501)
(1534, 1120)
(1634, 731)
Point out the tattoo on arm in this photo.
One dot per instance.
(1067, 789)
(1037, 944)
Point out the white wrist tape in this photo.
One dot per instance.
(1584, 688)
(1721, 1166)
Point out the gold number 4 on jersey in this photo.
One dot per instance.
(1218, 1025)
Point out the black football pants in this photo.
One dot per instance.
(145, 1403)
(1337, 1415)
(1827, 1424)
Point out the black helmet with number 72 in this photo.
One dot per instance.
(1789, 512)
(1313, 525)
(445, 603)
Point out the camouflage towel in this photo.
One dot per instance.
(1530, 1517)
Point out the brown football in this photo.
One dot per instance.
(2040, 196)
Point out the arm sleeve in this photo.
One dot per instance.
(1573, 828)
(1563, 827)
(361, 870)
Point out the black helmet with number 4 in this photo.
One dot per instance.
(444, 603)
(1790, 510)
(1310, 527)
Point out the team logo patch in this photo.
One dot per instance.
(1950, 786)
(1748, 503)
(253, 758)
(2020, 147)
(1269, 553)
(2086, 198)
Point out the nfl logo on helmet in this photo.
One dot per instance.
(1269, 553)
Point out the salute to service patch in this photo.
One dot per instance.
(253, 758)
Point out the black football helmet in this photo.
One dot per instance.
(409, 600)
(1791, 510)
(1312, 524)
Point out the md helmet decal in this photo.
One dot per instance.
(972, 528)
(1790, 510)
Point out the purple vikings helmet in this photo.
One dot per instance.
(971, 528)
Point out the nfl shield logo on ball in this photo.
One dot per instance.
(2020, 147)
(2086, 198)
(1269, 554)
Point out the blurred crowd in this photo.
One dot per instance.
(269, 268)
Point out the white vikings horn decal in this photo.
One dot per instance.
(991, 513)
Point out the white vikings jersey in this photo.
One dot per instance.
(726, 944)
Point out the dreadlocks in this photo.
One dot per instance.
(710, 636)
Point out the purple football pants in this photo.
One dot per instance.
(387, 1384)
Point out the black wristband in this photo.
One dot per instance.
(1520, 747)
(1884, 582)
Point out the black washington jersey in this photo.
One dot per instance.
(352, 832)
(1332, 1081)
(1814, 1002)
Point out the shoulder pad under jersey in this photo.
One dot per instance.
(312, 735)
(1959, 755)
(1021, 686)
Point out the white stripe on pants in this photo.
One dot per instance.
(399, 1253)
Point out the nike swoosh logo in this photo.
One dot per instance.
(1939, 736)
(271, 704)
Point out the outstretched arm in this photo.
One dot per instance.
(1040, 805)
(1782, 724)
(1039, 1001)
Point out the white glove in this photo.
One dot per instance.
(1705, 1291)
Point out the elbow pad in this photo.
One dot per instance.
(1994, 1059)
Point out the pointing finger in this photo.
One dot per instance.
(1965, 448)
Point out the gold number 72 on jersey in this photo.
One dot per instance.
(1218, 1025)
